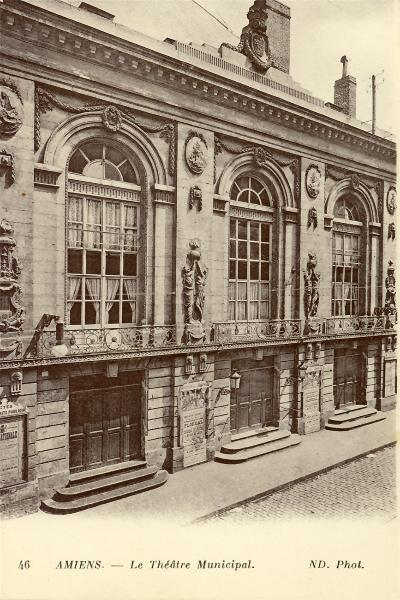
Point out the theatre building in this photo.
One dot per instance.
(197, 256)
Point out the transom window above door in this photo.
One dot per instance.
(102, 161)
(250, 190)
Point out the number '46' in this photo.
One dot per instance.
(24, 564)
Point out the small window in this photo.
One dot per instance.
(347, 209)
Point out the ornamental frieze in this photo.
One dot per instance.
(11, 109)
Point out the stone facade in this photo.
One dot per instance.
(191, 122)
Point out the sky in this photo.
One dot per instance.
(322, 31)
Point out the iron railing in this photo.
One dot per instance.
(253, 331)
(345, 325)
(89, 341)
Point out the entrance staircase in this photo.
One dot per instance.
(350, 417)
(252, 444)
(98, 486)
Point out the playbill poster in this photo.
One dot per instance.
(198, 314)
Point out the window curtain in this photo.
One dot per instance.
(74, 284)
(112, 292)
(112, 225)
(75, 218)
(93, 291)
(130, 294)
(93, 223)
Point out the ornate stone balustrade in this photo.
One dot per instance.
(253, 331)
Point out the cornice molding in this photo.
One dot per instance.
(125, 57)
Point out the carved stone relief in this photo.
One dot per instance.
(195, 197)
(390, 285)
(12, 313)
(313, 181)
(254, 40)
(392, 231)
(196, 152)
(391, 200)
(311, 286)
(11, 110)
(7, 165)
(194, 276)
(312, 217)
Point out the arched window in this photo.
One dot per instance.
(103, 229)
(95, 159)
(250, 250)
(348, 257)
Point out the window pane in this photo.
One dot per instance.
(111, 172)
(93, 150)
(130, 267)
(242, 250)
(75, 313)
(77, 163)
(75, 264)
(112, 263)
(242, 230)
(232, 228)
(92, 313)
(93, 263)
(265, 232)
(94, 169)
(254, 231)
(254, 271)
(242, 270)
(127, 172)
(113, 314)
(232, 249)
(265, 271)
(127, 312)
(264, 251)
(232, 269)
(254, 251)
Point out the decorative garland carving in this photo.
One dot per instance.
(313, 180)
(7, 163)
(194, 276)
(379, 189)
(111, 117)
(260, 157)
(195, 197)
(254, 40)
(13, 316)
(312, 217)
(10, 107)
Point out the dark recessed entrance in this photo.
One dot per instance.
(347, 377)
(252, 403)
(104, 420)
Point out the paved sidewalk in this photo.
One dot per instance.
(210, 487)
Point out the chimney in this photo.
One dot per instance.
(96, 11)
(346, 91)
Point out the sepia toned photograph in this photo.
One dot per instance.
(198, 318)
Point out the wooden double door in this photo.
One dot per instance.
(253, 402)
(347, 377)
(104, 420)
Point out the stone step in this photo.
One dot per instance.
(249, 453)
(253, 432)
(82, 476)
(55, 506)
(254, 441)
(348, 425)
(95, 485)
(353, 415)
(350, 409)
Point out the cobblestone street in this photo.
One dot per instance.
(363, 487)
